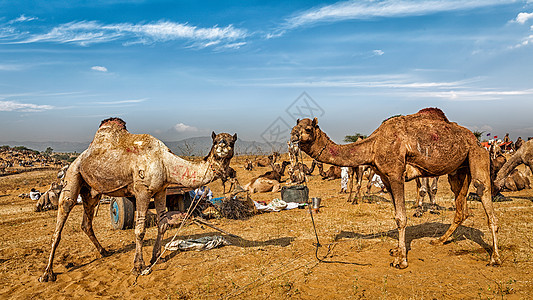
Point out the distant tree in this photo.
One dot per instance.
(48, 150)
(354, 138)
(478, 134)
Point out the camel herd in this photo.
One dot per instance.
(421, 146)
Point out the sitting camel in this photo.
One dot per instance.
(120, 164)
(524, 155)
(266, 161)
(248, 165)
(269, 181)
(515, 181)
(334, 172)
(403, 148)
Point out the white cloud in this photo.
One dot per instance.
(23, 107)
(99, 68)
(523, 17)
(378, 52)
(366, 9)
(22, 18)
(85, 33)
(180, 127)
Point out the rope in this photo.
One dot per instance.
(187, 215)
(317, 245)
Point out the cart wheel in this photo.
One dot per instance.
(122, 211)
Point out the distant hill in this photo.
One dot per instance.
(197, 146)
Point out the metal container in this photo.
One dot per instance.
(295, 193)
(315, 202)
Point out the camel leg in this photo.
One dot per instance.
(162, 222)
(432, 190)
(89, 203)
(481, 178)
(398, 199)
(352, 178)
(459, 183)
(421, 192)
(67, 200)
(142, 201)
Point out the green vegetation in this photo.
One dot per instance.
(354, 138)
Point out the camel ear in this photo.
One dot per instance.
(213, 135)
(297, 121)
(235, 137)
(315, 122)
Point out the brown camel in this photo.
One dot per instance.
(277, 169)
(514, 181)
(405, 147)
(248, 165)
(524, 155)
(262, 185)
(120, 164)
(519, 142)
(334, 172)
(231, 176)
(266, 161)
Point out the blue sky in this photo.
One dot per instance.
(176, 69)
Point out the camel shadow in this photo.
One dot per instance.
(234, 240)
(432, 230)
(523, 197)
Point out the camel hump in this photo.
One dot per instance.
(433, 112)
(114, 120)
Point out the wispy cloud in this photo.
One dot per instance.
(22, 18)
(85, 33)
(368, 9)
(180, 127)
(23, 107)
(99, 68)
(120, 102)
(523, 17)
(378, 52)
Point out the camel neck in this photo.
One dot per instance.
(187, 173)
(349, 155)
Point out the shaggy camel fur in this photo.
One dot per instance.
(120, 164)
(524, 155)
(405, 147)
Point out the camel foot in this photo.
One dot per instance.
(47, 276)
(399, 263)
(495, 262)
(137, 270)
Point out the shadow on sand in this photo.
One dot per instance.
(433, 230)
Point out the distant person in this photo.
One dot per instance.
(345, 177)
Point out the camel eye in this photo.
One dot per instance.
(308, 130)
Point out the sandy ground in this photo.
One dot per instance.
(275, 254)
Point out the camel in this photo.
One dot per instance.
(265, 161)
(519, 142)
(356, 175)
(515, 181)
(269, 181)
(262, 185)
(231, 176)
(402, 148)
(524, 155)
(120, 164)
(334, 172)
(248, 165)
(423, 187)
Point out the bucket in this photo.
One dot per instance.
(295, 193)
(315, 202)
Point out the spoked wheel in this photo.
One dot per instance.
(122, 212)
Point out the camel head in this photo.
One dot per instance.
(223, 145)
(305, 132)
